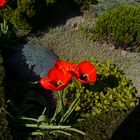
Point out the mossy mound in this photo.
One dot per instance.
(120, 26)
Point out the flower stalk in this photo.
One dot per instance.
(58, 79)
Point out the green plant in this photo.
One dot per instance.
(4, 127)
(26, 14)
(3, 28)
(111, 92)
(86, 27)
(7, 12)
(105, 5)
(58, 78)
(52, 126)
(7, 38)
(120, 26)
(20, 22)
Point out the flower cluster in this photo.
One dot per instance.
(7, 3)
(62, 73)
(3, 4)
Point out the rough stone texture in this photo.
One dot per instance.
(73, 22)
(30, 62)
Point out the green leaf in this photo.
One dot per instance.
(47, 127)
(28, 119)
(36, 133)
(76, 130)
(43, 119)
(60, 131)
(133, 104)
(59, 108)
(70, 110)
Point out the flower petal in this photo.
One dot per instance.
(55, 74)
(56, 80)
(85, 67)
(2, 4)
(45, 82)
(62, 65)
(86, 72)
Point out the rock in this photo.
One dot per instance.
(30, 62)
(123, 52)
(73, 22)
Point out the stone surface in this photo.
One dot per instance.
(30, 62)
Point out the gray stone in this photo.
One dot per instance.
(30, 62)
(123, 52)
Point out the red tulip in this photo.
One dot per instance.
(56, 79)
(65, 66)
(2, 4)
(86, 72)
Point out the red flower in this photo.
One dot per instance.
(56, 79)
(86, 72)
(65, 66)
(2, 4)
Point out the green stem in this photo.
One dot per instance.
(59, 107)
(70, 110)
(60, 131)
(76, 130)
(48, 127)
(62, 102)
(28, 119)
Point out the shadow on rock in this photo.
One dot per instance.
(29, 62)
